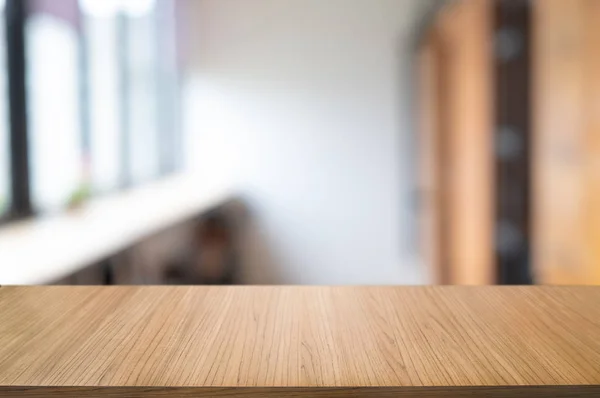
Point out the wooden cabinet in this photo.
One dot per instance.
(456, 148)
(466, 92)
(566, 166)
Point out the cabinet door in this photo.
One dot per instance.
(457, 149)
(566, 162)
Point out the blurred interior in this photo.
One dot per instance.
(510, 114)
(299, 142)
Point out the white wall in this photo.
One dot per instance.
(302, 106)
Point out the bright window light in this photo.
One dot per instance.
(100, 8)
(137, 8)
(108, 8)
(2, 4)
(56, 160)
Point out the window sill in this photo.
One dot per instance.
(41, 250)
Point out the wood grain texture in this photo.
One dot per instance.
(456, 144)
(297, 392)
(289, 341)
(566, 166)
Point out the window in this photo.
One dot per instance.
(127, 82)
(141, 69)
(104, 101)
(93, 100)
(55, 147)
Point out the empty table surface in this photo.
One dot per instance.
(299, 341)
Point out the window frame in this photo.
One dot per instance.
(16, 12)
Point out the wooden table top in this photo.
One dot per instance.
(290, 341)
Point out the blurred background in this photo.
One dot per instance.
(299, 142)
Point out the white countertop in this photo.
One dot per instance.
(41, 250)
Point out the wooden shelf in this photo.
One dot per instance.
(299, 341)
